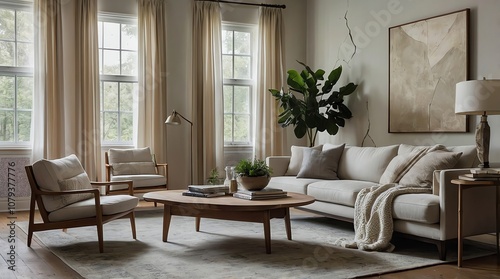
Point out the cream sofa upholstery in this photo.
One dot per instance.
(429, 217)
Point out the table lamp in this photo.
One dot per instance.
(175, 119)
(479, 97)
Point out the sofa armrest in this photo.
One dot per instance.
(477, 202)
(279, 164)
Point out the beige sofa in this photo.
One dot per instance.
(428, 217)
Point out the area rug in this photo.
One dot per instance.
(230, 249)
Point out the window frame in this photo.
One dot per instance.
(251, 82)
(16, 72)
(119, 79)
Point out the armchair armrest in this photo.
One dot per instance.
(279, 164)
(477, 202)
(107, 184)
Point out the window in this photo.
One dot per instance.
(118, 74)
(238, 74)
(16, 74)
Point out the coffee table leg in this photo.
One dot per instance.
(166, 221)
(267, 230)
(287, 224)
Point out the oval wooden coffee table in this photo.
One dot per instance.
(228, 208)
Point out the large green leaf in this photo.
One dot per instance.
(300, 130)
(295, 81)
(348, 89)
(335, 75)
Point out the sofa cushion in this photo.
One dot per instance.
(60, 175)
(143, 180)
(422, 208)
(320, 164)
(365, 163)
(297, 158)
(420, 175)
(342, 192)
(467, 160)
(134, 168)
(131, 161)
(291, 183)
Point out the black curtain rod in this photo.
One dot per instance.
(248, 4)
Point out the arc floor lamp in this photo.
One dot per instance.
(175, 119)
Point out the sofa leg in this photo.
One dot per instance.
(441, 245)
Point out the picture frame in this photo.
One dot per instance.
(427, 58)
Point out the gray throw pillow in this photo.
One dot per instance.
(321, 164)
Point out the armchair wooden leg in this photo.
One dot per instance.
(132, 224)
(100, 237)
(30, 235)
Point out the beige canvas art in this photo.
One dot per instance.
(427, 58)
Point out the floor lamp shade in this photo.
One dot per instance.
(479, 97)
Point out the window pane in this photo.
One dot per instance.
(241, 128)
(24, 26)
(228, 127)
(7, 26)
(129, 37)
(6, 125)
(99, 31)
(227, 66)
(25, 54)
(242, 67)
(110, 126)
(111, 33)
(23, 126)
(7, 92)
(228, 99)
(126, 96)
(100, 62)
(227, 42)
(242, 99)
(111, 62)
(110, 96)
(24, 92)
(7, 53)
(129, 63)
(241, 42)
(127, 124)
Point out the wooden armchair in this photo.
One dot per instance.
(67, 199)
(138, 165)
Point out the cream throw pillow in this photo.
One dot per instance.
(79, 182)
(297, 157)
(321, 164)
(420, 175)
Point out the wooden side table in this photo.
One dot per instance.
(463, 185)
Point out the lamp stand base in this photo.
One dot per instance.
(483, 142)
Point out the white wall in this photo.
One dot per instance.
(326, 33)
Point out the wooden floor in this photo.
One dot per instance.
(39, 262)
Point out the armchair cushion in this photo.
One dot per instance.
(84, 209)
(131, 161)
(61, 175)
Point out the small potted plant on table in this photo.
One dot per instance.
(253, 175)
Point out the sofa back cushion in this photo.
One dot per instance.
(365, 163)
(61, 175)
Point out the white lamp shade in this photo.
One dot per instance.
(478, 97)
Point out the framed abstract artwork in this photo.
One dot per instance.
(427, 58)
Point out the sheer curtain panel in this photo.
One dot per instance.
(152, 101)
(48, 135)
(207, 89)
(88, 148)
(268, 134)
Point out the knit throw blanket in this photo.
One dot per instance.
(373, 223)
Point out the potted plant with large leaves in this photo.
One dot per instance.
(319, 108)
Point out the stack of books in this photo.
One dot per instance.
(481, 175)
(264, 194)
(206, 191)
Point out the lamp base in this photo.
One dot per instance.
(483, 142)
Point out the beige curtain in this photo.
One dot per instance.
(87, 88)
(152, 101)
(268, 134)
(207, 90)
(48, 110)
